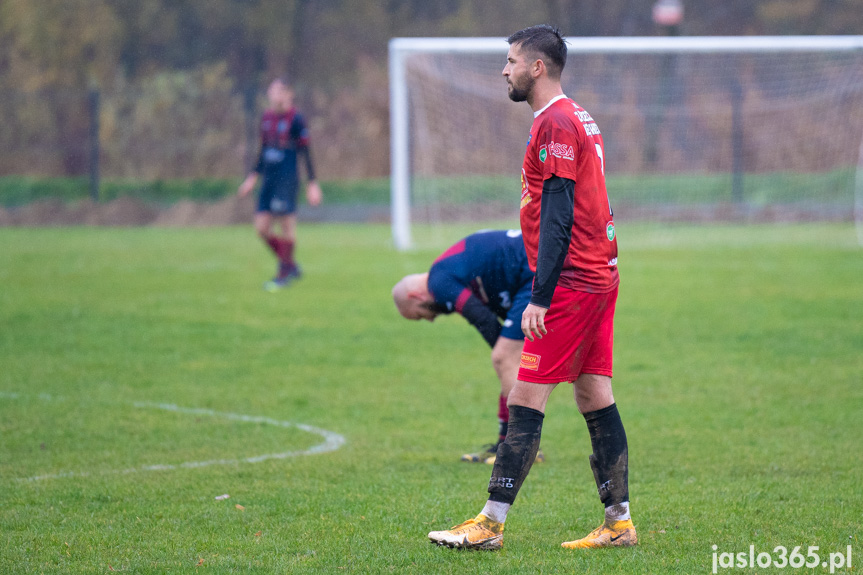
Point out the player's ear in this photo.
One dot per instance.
(538, 68)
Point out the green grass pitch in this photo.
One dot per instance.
(739, 376)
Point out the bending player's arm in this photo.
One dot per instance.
(555, 233)
(450, 294)
(482, 318)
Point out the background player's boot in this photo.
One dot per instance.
(488, 455)
(609, 534)
(477, 533)
(286, 274)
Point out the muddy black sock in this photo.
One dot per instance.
(610, 457)
(516, 454)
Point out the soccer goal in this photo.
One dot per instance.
(697, 129)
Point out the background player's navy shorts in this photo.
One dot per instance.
(277, 196)
(512, 323)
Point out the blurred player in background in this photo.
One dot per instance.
(284, 141)
(570, 242)
(485, 278)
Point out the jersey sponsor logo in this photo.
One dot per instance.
(543, 153)
(612, 262)
(273, 155)
(583, 116)
(529, 138)
(562, 151)
(589, 123)
(529, 361)
(609, 231)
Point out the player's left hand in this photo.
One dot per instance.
(314, 195)
(533, 322)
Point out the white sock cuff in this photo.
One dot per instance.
(619, 512)
(496, 510)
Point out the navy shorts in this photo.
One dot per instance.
(279, 197)
(512, 323)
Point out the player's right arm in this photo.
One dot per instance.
(248, 184)
(556, 216)
(555, 231)
(252, 178)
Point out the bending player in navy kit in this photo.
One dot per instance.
(484, 277)
(284, 140)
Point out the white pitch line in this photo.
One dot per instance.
(332, 441)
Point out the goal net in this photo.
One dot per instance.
(748, 130)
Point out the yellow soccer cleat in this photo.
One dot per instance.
(485, 455)
(488, 455)
(477, 533)
(609, 534)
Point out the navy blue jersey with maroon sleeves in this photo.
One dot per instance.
(484, 277)
(284, 136)
(284, 140)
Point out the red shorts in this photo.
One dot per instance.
(580, 338)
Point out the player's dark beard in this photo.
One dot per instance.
(520, 94)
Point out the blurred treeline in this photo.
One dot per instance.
(180, 83)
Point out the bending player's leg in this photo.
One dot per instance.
(505, 357)
(609, 462)
(515, 456)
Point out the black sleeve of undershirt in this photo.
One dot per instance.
(306, 152)
(482, 318)
(555, 232)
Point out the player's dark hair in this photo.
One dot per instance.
(547, 43)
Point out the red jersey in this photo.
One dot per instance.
(565, 142)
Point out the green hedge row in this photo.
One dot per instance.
(20, 190)
(833, 187)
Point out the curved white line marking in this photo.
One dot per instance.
(332, 440)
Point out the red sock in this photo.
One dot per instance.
(503, 416)
(273, 242)
(285, 252)
(502, 409)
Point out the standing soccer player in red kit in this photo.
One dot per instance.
(569, 238)
(284, 140)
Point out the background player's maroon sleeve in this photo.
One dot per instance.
(306, 152)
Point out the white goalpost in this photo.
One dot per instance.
(697, 129)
